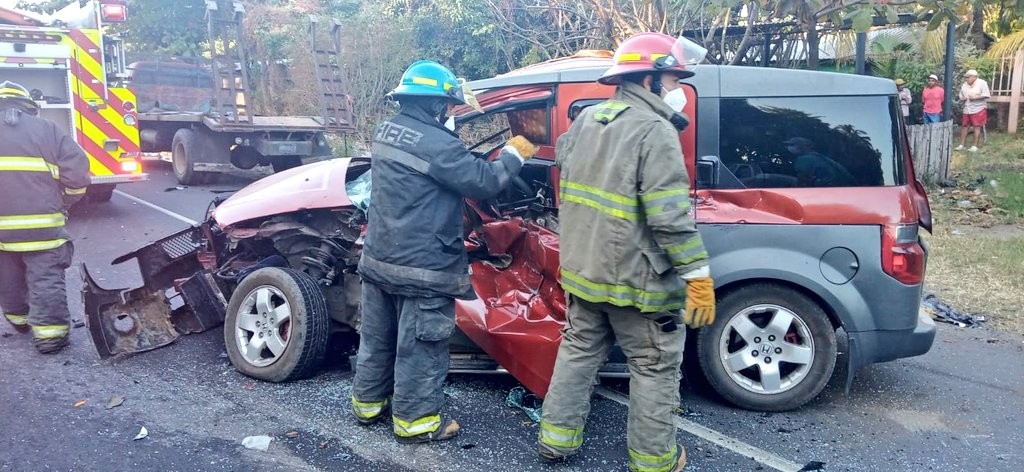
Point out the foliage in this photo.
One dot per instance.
(162, 28)
(48, 6)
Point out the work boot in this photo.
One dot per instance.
(19, 322)
(369, 421)
(50, 345)
(22, 329)
(681, 462)
(449, 429)
(549, 455)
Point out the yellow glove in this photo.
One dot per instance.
(700, 302)
(522, 145)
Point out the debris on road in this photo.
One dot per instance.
(940, 311)
(115, 401)
(340, 457)
(971, 201)
(143, 432)
(77, 323)
(518, 397)
(813, 465)
(292, 434)
(79, 404)
(258, 443)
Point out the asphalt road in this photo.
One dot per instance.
(958, 408)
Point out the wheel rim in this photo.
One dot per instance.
(263, 326)
(766, 349)
(178, 159)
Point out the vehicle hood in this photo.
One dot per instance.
(312, 186)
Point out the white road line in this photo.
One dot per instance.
(710, 435)
(157, 208)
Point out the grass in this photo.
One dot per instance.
(977, 250)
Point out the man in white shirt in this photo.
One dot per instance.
(905, 99)
(975, 94)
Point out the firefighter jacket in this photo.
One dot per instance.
(421, 173)
(625, 205)
(42, 172)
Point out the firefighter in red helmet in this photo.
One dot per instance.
(633, 265)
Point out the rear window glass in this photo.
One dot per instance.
(848, 141)
(171, 76)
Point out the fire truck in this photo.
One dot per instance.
(70, 65)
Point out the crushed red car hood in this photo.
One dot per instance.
(312, 186)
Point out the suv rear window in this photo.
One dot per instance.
(832, 141)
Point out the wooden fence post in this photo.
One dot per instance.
(1016, 89)
(931, 146)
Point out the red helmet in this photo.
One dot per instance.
(648, 52)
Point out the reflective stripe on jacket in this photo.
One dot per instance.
(42, 172)
(625, 202)
(421, 173)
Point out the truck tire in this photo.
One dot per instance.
(99, 193)
(185, 149)
(281, 163)
(771, 348)
(277, 325)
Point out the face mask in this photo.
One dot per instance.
(676, 100)
(450, 123)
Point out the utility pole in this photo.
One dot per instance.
(947, 103)
(862, 46)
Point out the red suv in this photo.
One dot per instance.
(803, 191)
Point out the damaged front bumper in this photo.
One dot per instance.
(179, 295)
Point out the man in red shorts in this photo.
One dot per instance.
(975, 94)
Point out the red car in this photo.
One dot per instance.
(794, 257)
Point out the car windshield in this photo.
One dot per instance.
(482, 133)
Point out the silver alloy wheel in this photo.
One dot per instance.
(263, 326)
(766, 349)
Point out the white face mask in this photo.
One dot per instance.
(676, 100)
(450, 123)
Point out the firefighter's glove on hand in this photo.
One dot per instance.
(522, 147)
(700, 302)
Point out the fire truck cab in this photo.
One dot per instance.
(69, 65)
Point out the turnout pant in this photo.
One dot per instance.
(403, 356)
(654, 358)
(32, 290)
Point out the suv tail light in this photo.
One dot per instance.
(903, 258)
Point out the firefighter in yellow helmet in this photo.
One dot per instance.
(42, 172)
(631, 255)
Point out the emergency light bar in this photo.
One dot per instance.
(113, 12)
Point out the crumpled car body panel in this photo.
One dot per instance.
(521, 310)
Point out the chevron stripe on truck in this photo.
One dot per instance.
(71, 68)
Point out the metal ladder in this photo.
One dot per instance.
(230, 76)
(335, 104)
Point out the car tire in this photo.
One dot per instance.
(185, 148)
(99, 193)
(754, 323)
(260, 342)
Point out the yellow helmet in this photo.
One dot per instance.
(10, 91)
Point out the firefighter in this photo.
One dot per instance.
(42, 173)
(414, 264)
(631, 255)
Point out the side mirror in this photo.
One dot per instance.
(707, 170)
